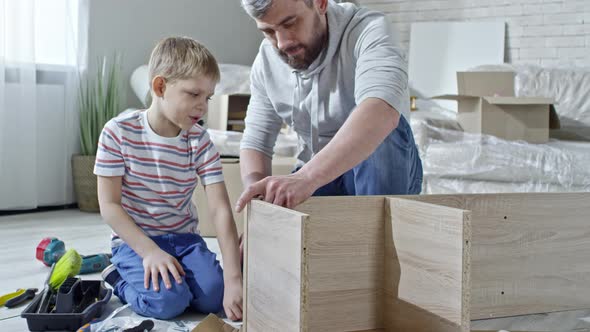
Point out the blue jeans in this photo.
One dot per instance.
(394, 168)
(201, 288)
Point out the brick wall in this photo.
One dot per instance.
(545, 32)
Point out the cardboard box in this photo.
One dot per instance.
(475, 83)
(227, 111)
(212, 323)
(487, 105)
(413, 263)
(233, 183)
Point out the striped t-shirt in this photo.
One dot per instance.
(159, 173)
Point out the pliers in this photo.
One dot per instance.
(11, 300)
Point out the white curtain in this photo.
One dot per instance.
(43, 48)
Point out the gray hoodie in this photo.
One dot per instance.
(361, 61)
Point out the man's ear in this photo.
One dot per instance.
(159, 86)
(321, 6)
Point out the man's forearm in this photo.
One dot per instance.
(366, 127)
(254, 166)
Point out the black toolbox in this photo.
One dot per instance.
(70, 295)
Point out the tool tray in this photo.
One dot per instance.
(68, 299)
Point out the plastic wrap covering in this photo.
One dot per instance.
(459, 162)
(431, 116)
(235, 79)
(446, 186)
(228, 143)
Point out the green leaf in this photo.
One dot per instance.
(99, 101)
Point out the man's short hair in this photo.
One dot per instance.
(258, 8)
(177, 58)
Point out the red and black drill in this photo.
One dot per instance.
(51, 249)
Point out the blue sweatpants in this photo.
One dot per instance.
(201, 288)
(394, 168)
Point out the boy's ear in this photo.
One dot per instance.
(159, 86)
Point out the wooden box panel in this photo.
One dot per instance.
(529, 251)
(422, 263)
(345, 257)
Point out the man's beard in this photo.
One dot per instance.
(310, 52)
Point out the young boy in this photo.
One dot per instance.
(148, 164)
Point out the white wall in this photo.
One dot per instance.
(133, 27)
(545, 32)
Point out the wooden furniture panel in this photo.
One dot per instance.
(273, 275)
(529, 251)
(344, 241)
(427, 259)
(416, 263)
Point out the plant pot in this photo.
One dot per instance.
(85, 183)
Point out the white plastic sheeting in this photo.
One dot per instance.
(235, 79)
(446, 186)
(228, 143)
(455, 162)
(459, 162)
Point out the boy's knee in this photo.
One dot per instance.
(167, 303)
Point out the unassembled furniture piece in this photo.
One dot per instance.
(414, 263)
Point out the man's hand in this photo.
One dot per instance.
(158, 262)
(286, 190)
(232, 299)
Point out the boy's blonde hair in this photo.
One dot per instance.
(177, 58)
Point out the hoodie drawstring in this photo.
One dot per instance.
(314, 111)
(295, 99)
(314, 116)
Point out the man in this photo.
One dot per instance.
(333, 73)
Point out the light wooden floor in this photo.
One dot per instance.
(86, 233)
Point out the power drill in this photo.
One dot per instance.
(51, 249)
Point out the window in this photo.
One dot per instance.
(39, 31)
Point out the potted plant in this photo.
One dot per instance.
(99, 101)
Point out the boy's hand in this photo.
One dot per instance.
(232, 299)
(159, 262)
